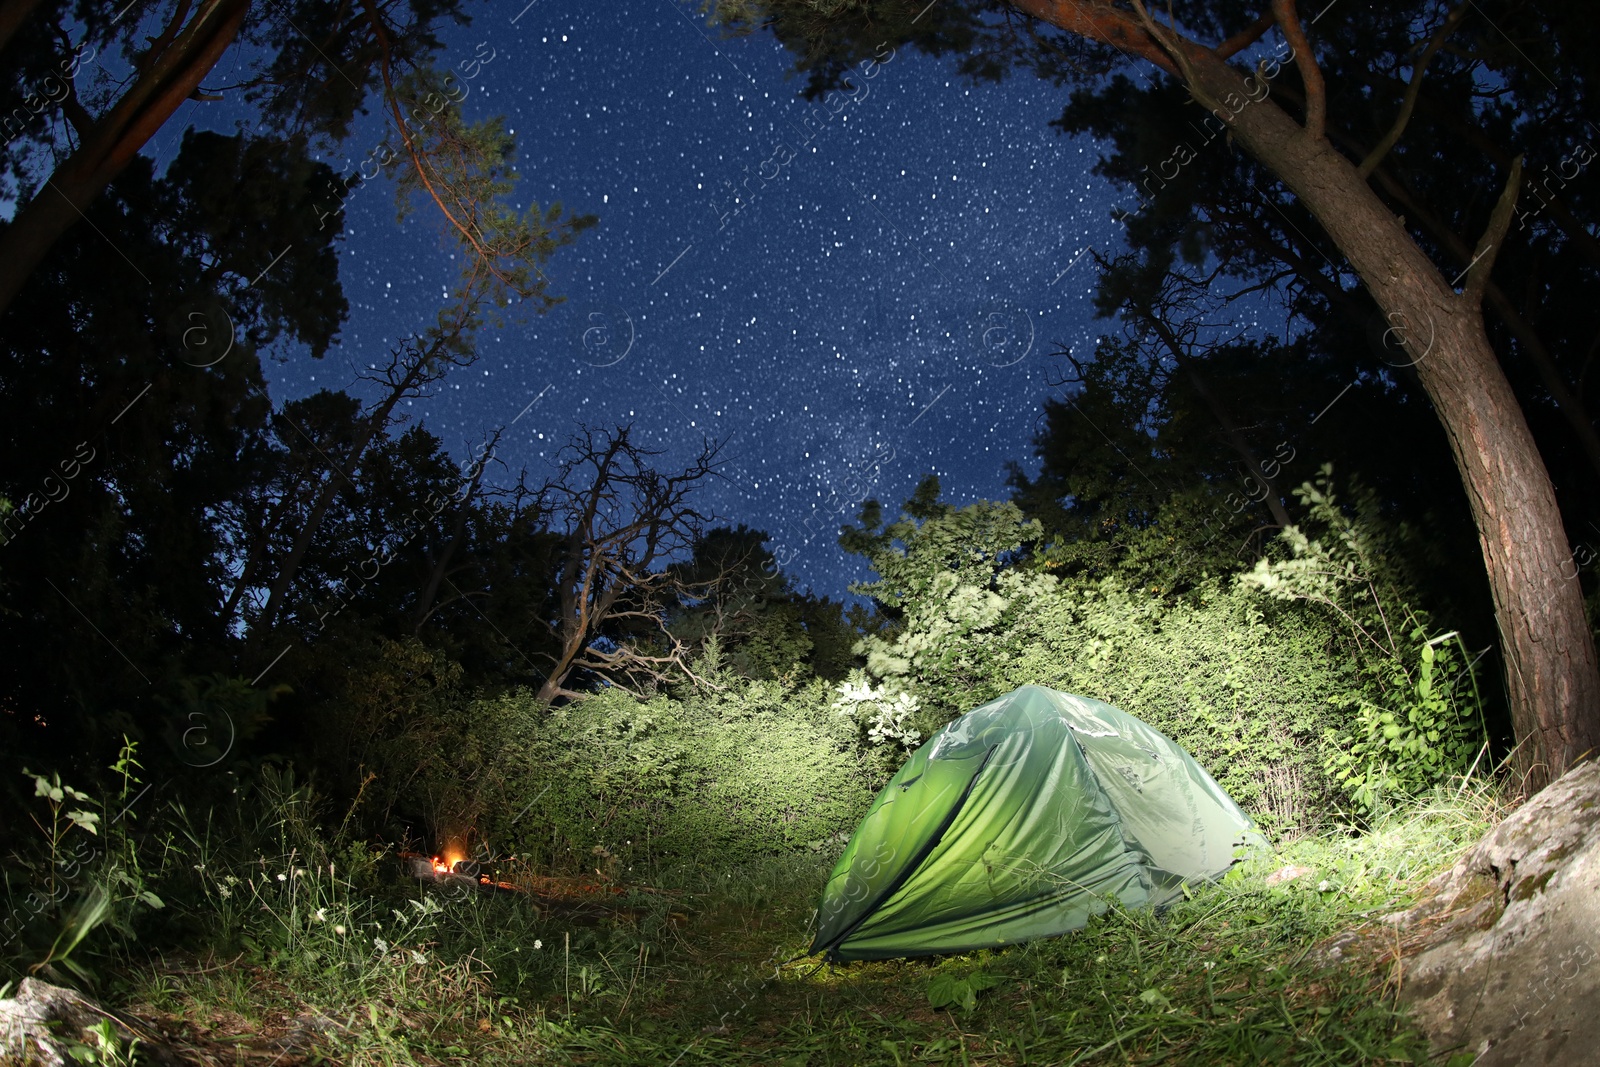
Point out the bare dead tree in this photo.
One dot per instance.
(623, 524)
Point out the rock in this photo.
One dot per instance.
(1509, 966)
(41, 1023)
(25, 1023)
(421, 867)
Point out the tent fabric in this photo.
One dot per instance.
(1017, 821)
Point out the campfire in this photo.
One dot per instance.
(582, 899)
(450, 867)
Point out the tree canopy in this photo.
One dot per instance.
(1401, 182)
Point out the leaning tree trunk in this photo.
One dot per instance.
(1551, 672)
(164, 83)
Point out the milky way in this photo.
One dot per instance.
(851, 294)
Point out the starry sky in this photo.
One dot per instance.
(881, 306)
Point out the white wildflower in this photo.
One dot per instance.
(322, 915)
(283, 877)
(380, 944)
(537, 943)
(338, 928)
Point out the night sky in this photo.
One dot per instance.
(883, 307)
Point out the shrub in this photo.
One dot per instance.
(1417, 717)
(1248, 688)
(402, 729)
(751, 770)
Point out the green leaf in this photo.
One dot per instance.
(948, 990)
(92, 910)
(84, 820)
(945, 990)
(1155, 998)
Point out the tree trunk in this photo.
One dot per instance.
(1568, 402)
(165, 80)
(1551, 672)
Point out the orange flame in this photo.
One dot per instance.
(445, 863)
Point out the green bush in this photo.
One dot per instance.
(752, 770)
(1417, 718)
(1248, 689)
(1247, 686)
(1249, 692)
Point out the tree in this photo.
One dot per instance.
(334, 459)
(1162, 455)
(1552, 675)
(314, 65)
(764, 627)
(127, 449)
(622, 523)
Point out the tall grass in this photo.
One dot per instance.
(699, 967)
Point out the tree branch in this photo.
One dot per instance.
(1413, 90)
(1099, 21)
(1499, 223)
(1310, 73)
(1246, 37)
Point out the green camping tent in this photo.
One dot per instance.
(1016, 821)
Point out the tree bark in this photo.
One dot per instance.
(1551, 674)
(165, 80)
(1551, 671)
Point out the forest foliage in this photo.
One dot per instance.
(449, 653)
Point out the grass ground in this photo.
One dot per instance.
(701, 969)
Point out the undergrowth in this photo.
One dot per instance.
(701, 966)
